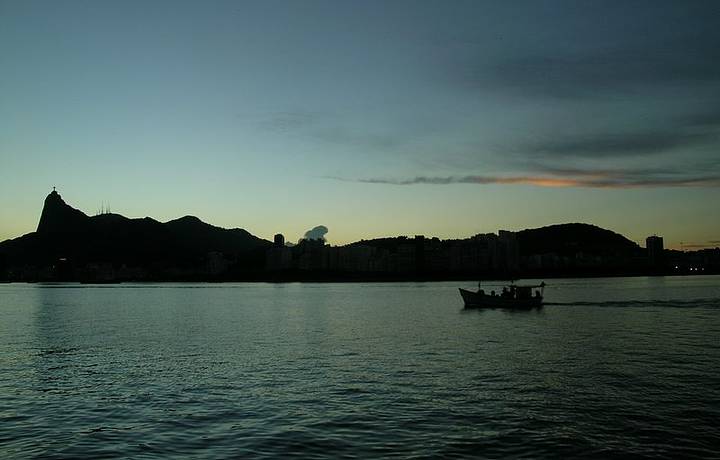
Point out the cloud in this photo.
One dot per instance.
(439, 180)
(607, 179)
(341, 135)
(708, 119)
(316, 233)
(675, 132)
(617, 94)
(338, 129)
(624, 144)
(289, 121)
(678, 61)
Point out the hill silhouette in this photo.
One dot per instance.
(567, 239)
(560, 239)
(69, 234)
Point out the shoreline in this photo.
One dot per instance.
(350, 280)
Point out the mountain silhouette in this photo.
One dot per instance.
(58, 217)
(69, 234)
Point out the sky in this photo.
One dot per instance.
(372, 118)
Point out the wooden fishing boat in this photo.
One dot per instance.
(512, 296)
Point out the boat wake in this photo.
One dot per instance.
(675, 303)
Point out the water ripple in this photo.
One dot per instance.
(357, 371)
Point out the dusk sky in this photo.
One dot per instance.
(389, 118)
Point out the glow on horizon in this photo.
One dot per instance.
(538, 208)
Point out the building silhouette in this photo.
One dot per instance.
(655, 249)
(278, 257)
(279, 241)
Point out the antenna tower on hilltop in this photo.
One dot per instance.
(103, 209)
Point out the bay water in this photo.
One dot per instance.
(610, 367)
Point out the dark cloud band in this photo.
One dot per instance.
(600, 179)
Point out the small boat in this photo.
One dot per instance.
(512, 296)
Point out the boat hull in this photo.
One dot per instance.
(476, 300)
